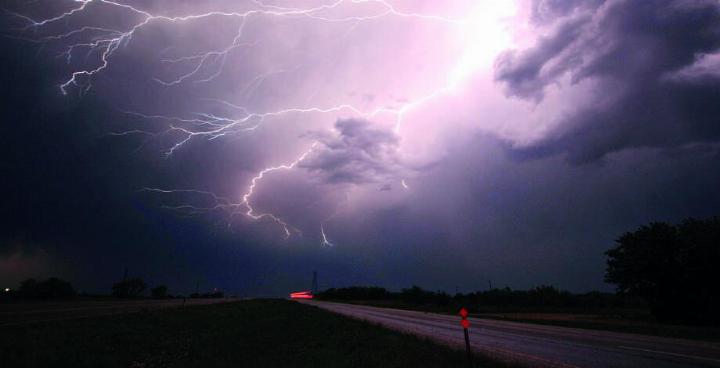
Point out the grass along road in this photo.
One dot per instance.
(12, 314)
(251, 333)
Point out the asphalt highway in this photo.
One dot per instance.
(541, 345)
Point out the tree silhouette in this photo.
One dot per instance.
(673, 267)
(159, 291)
(51, 288)
(129, 288)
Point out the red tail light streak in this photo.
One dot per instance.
(301, 295)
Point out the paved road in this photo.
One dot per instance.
(540, 345)
(23, 313)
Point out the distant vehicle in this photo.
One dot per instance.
(301, 295)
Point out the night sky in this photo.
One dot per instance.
(244, 144)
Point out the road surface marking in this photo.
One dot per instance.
(669, 353)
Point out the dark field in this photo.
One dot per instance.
(253, 333)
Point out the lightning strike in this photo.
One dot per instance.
(325, 241)
(109, 44)
(207, 66)
(221, 203)
(253, 183)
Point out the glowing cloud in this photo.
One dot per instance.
(479, 33)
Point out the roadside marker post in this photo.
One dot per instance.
(465, 325)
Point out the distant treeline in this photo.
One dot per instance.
(670, 269)
(505, 298)
(56, 288)
(52, 288)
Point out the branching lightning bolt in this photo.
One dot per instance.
(110, 42)
(253, 183)
(325, 241)
(106, 42)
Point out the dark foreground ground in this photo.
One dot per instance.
(24, 312)
(252, 333)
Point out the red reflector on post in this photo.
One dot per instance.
(465, 325)
(463, 313)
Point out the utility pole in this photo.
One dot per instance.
(490, 283)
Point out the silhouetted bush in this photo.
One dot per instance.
(416, 295)
(52, 288)
(356, 293)
(673, 267)
(159, 292)
(129, 288)
(214, 294)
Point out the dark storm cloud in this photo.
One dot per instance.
(480, 215)
(547, 11)
(636, 52)
(70, 206)
(72, 191)
(356, 152)
(528, 72)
